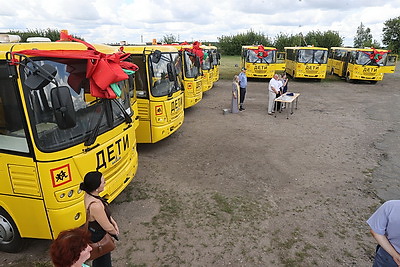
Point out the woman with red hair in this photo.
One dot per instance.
(71, 248)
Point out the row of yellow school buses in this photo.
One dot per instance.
(69, 107)
(367, 64)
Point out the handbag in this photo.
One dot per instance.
(102, 247)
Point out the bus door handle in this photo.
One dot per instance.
(129, 126)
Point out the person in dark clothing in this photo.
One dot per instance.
(243, 86)
(99, 218)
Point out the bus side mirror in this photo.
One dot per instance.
(41, 77)
(171, 72)
(156, 56)
(63, 107)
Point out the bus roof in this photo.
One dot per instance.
(256, 47)
(306, 47)
(138, 49)
(358, 49)
(6, 47)
(208, 47)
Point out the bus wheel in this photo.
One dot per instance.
(10, 239)
(373, 82)
(348, 78)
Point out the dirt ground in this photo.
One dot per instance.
(250, 189)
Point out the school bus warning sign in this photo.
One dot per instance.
(61, 175)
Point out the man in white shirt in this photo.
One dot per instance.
(273, 89)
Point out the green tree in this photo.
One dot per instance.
(52, 34)
(283, 40)
(363, 37)
(391, 34)
(232, 45)
(324, 39)
(316, 38)
(169, 39)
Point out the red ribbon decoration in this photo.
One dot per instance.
(261, 52)
(101, 70)
(375, 55)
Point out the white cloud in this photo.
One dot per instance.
(107, 21)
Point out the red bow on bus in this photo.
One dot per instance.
(102, 70)
(261, 52)
(375, 55)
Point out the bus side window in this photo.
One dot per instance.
(12, 134)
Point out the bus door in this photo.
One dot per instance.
(390, 64)
(19, 184)
(280, 60)
(243, 58)
(346, 63)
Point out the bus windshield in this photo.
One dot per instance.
(160, 75)
(91, 114)
(252, 57)
(312, 56)
(215, 57)
(206, 61)
(363, 58)
(192, 69)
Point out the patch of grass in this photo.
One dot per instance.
(223, 203)
(136, 265)
(230, 65)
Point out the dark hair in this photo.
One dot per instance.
(65, 250)
(91, 181)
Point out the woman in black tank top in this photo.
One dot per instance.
(100, 220)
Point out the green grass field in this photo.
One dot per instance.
(230, 65)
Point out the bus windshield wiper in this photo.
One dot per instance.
(308, 61)
(367, 63)
(127, 118)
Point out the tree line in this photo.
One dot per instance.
(231, 45)
(52, 34)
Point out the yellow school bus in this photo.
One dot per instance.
(53, 130)
(260, 61)
(191, 75)
(366, 64)
(207, 68)
(159, 92)
(306, 62)
(215, 61)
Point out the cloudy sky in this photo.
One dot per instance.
(134, 21)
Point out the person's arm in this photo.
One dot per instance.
(115, 224)
(385, 244)
(98, 213)
(273, 88)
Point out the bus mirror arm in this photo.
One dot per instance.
(41, 76)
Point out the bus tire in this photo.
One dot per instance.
(10, 238)
(373, 82)
(348, 78)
